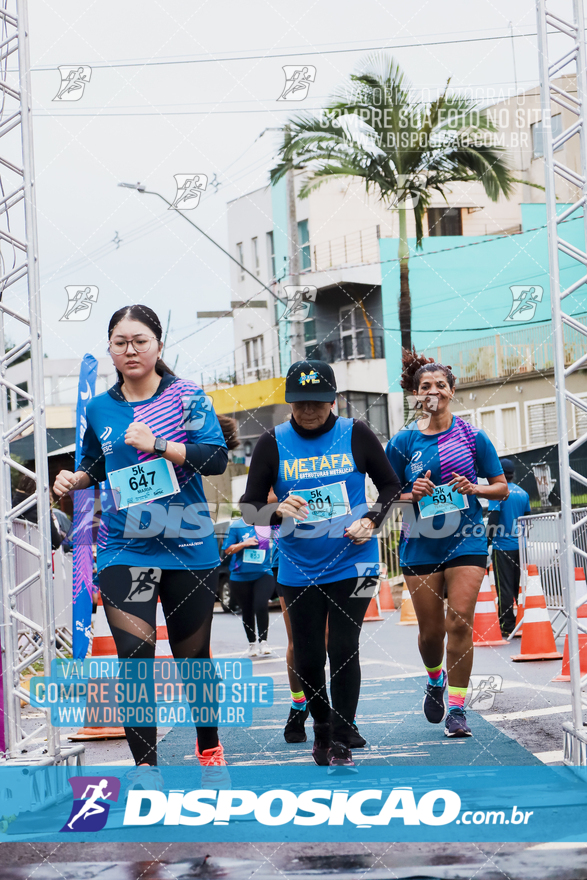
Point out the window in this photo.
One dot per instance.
(254, 353)
(351, 333)
(537, 138)
(271, 252)
(304, 245)
(445, 221)
(240, 258)
(310, 337)
(369, 408)
(22, 401)
(542, 426)
(502, 426)
(255, 244)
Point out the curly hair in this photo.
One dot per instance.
(415, 365)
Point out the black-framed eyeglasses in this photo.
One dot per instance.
(120, 346)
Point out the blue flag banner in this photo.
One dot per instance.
(83, 511)
(272, 803)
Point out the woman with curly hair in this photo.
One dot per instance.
(439, 458)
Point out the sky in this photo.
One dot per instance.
(142, 118)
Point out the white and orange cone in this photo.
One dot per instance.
(102, 646)
(486, 629)
(407, 615)
(537, 637)
(385, 597)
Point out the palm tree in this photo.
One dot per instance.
(403, 149)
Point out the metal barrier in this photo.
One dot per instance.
(539, 542)
(389, 546)
(28, 603)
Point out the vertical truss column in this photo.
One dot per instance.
(571, 61)
(26, 605)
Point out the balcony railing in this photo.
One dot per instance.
(361, 347)
(527, 350)
(350, 249)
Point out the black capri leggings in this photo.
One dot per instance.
(130, 598)
(344, 603)
(253, 598)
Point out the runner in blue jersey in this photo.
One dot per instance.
(328, 558)
(438, 459)
(502, 524)
(150, 422)
(251, 579)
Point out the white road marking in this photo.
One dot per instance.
(550, 757)
(526, 713)
(561, 844)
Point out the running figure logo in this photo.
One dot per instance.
(483, 689)
(73, 82)
(299, 299)
(80, 300)
(189, 189)
(368, 575)
(195, 409)
(525, 299)
(144, 581)
(90, 808)
(297, 82)
(416, 411)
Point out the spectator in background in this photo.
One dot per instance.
(25, 487)
(501, 529)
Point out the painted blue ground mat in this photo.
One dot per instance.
(390, 718)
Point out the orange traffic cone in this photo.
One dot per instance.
(520, 614)
(486, 629)
(373, 610)
(537, 639)
(565, 673)
(385, 597)
(408, 615)
(102, 646)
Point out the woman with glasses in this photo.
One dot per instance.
(165, 547)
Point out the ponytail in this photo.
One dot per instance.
(415, 365)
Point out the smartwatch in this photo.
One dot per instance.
(160, 445)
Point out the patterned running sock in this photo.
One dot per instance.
(434, 675)
(298, 700)
(456, 698)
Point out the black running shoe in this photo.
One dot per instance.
(339, 755)
(354, 738)
(322, 743)
(456, 724)
(294, 729)
(434, 706)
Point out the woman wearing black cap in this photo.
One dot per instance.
(316, 463)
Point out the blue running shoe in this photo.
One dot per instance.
(456, 724)
(434, 706)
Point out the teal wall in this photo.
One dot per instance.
(281, 249)
(461, 293)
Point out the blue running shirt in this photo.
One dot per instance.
(461, 449)
(177, 535)
(318, 552)
(518, 504)
(240, 569)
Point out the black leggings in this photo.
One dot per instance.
(253, 598)
(130, 597)
(309, 608)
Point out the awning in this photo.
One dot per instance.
(58, 440)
